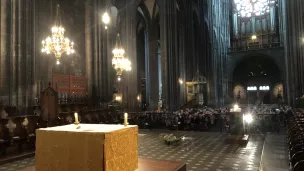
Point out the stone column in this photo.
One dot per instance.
(14, 53)
(20, 58)
(182, 60)
(153, 66)
(4, 50)
(95, 26)
(88, 46)
(30, 48)
(130, 87)
(169, 54)
(294, 50)
(189, 45)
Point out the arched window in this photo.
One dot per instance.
(249, 8)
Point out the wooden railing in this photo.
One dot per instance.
(254, 47)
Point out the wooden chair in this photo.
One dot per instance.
(17, 132)
(4, 136)
(30, 124)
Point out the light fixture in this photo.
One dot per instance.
(248, 118)
(236, 106)
(57, 43)
(118, 78)
(253, 37)
(139, 98)
(119, 62)
(118, 97)
(106, 19)
(180, 81)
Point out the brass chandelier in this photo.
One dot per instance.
(119, 62)
(57, 43)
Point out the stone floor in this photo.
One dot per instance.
(200, 150)
(275, 154)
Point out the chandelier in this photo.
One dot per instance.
(57, 43)
(119, 62)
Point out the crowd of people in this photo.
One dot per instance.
(205, 119)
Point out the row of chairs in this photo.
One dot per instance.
(295, 138)
(18, 133)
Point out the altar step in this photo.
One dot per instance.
(16, 157)
(152, 165)
(237, 139)
(157, 165)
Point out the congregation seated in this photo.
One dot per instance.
(19, 131)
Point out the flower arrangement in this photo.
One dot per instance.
(170, 139)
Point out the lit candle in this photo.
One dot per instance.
(126, 119)
(76, 117)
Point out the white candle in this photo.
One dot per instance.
(126, 119)
(76, 117)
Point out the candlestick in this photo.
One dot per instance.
(126, 119)
(76, 118)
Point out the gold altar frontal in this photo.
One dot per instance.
(92, 147)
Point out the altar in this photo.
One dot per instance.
(92, 147)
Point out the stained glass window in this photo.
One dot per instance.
(249, 8)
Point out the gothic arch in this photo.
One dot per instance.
(114, 16)
(196, 10)
(276, 59)
(142, 9)
(155, 11)
(261, 67)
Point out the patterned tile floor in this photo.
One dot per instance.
(200, 150)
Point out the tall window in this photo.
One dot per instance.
(249, 8)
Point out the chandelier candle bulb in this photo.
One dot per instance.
(76, 118)
(126, 119)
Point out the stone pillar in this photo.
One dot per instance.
(153, 66)
(20, 58)
(30, 48)
(96, 23)
(128, 35)
(182, 61)
(294, 50)
(189, 45)
(14, 53)
(169, 54)
(4, 50)
(88, 47)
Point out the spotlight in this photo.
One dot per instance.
(248, 118)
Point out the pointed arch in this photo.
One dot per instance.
(156, 10)
(114, 15)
